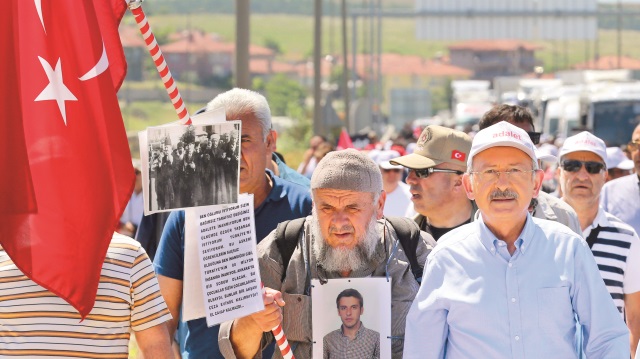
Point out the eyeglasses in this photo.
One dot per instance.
(510, 174)
(592, 167)
(633, 145)
(426, 172)
(387, 170)
(535, 137)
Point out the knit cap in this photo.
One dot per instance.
(349, 170)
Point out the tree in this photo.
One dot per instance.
(273, 45)
(283, 92)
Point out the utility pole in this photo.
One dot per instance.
(243, 78)
(345, 64)
(318, 125)
(619, 34)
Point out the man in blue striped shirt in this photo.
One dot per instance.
(614, 244)
(509, 285)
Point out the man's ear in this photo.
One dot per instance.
(468, 186)
(538, 178)
(272, 138)
(380, 204)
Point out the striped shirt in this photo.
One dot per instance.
(617, 253)
(35, 323)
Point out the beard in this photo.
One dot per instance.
(344, 259)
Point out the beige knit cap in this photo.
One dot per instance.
(349, 170)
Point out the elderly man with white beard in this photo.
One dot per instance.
(345, 237)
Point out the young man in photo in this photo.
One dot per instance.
(352, 339)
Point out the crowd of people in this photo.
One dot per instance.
(482, 262)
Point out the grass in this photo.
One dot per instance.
(294, 34)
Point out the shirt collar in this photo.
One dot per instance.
(490, 241)
(278, 191)
(600, 220)
(358, 333)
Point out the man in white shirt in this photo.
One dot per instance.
(614, 244)
(398, 196)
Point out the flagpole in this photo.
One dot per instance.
(158, 59)
(281, 339)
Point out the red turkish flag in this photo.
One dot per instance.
(457, 155)
(65, 162)
(344, 141)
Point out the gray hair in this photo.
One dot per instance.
(237, 102)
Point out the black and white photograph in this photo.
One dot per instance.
(191, 166)
(351, 318)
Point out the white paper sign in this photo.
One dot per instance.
(228, 261)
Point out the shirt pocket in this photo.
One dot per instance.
(555, 312)
(297, 317)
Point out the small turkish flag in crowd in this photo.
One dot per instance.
(457, 155)
(344, 141)
(65, 162)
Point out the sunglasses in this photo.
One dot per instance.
(396, 170)
(592, 167)
(633, 145)
(426, 172)
(535, 137)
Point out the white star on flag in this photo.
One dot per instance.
(55, 90)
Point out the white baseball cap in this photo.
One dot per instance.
(617, 159)
(584, 141)
(382, 157)
(502, 134)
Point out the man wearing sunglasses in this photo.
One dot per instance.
(509, 285)
(435, 178)
(621, 197)
(614, 244)
(545, 205)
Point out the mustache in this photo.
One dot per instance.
(343, 229)
(506, 194)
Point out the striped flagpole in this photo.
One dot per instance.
(281, 339)
(158, 59)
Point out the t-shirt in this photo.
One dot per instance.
(285, 201)
(36, 323)
(621, 197)
(617, 252)
(399, 203)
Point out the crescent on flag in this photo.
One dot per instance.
(100, 67)
(38, 4)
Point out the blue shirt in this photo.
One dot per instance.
(476, 300)
(289, 174)
(285, 201)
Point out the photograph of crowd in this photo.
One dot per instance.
(192, 166)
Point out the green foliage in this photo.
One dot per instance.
(260, 6)
(162, 34)
(283, 93)
(273, 45)
(287, 98)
